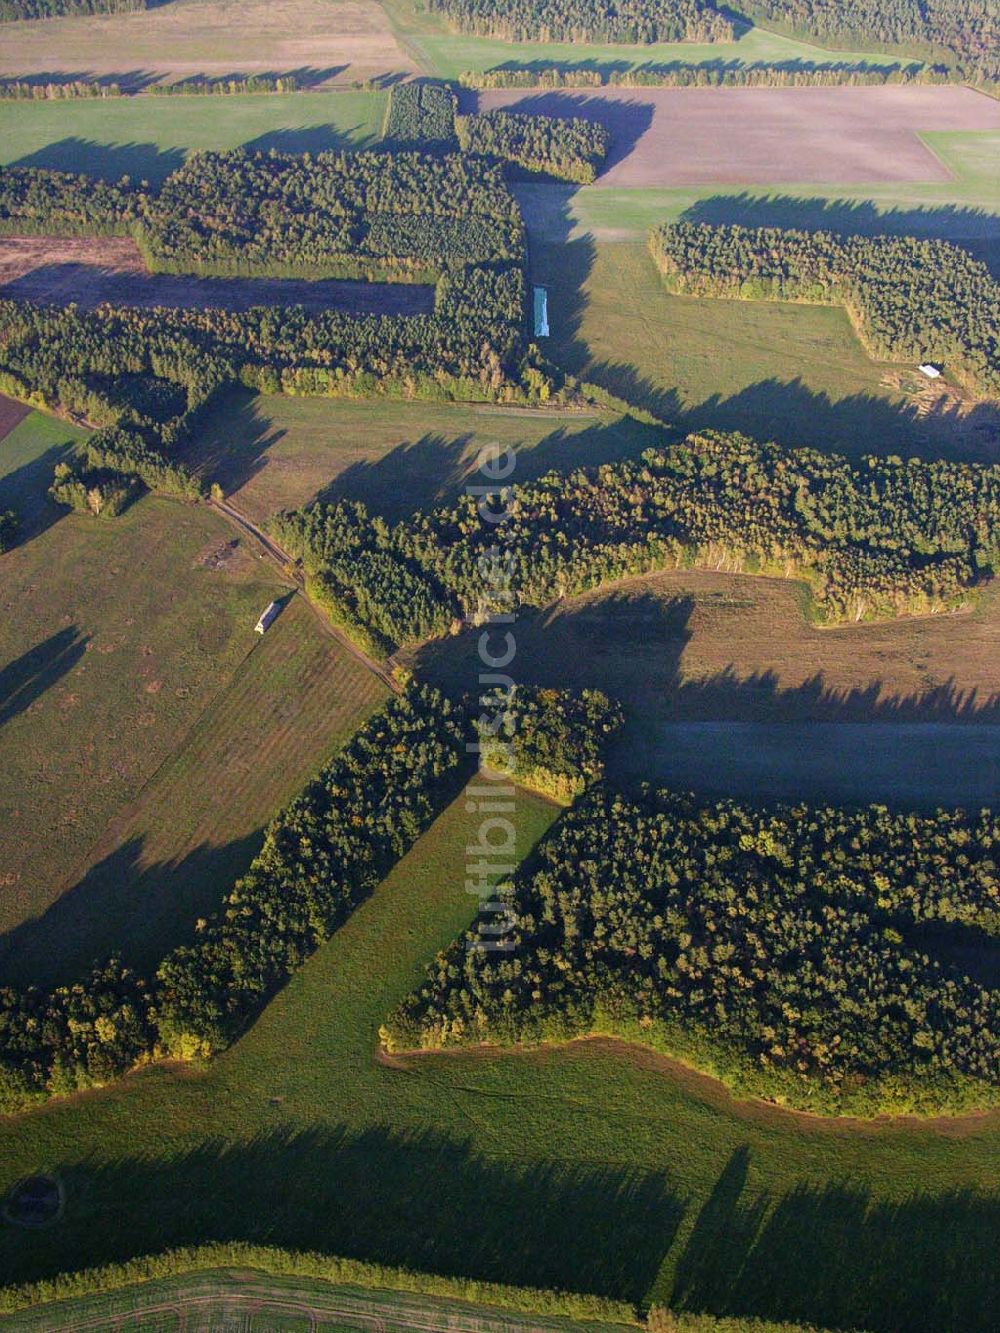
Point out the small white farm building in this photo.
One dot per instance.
(267, 617)
(931, 371)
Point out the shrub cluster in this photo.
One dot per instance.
(767, 946)
(567, 147)
(879, 538)
(322, 855)
(420, 115)
(89, 490)
(625, 21)
(909, 299)
(550, 740)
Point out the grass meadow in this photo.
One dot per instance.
(589, 1167)
(271, 453)
(146, 732)
(796, 374)
(444, 53)
(148, 137)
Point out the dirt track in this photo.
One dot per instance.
(91, 270)
(10, 414)
(764, 136)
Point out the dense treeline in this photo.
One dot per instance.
(56, 90)
(34, 201)
(47, 9)
(717, 74)
(624, 21)
(909, 299)
(966, 30)
(322, 855)
(568, 147)
(333, 214)
(550, 740)
(420, 114)
(879, 538)
(770, 947)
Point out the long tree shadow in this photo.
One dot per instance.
(230, 445)
(124, 906)
(25, 490)
(851, 217)
(25, 680)
(414, 1198)
(107, 161)
(833, 1256)
(939, 744)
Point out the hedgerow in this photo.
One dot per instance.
(626, 21)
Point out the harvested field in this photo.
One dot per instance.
(702, 648)
(761, 136)
(326, 42)
(90, 271)
(11, 413)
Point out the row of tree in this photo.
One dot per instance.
(713, 74)
(909, 299)
(789, 950)
(322, 855)
(46, 9)
(567, 147)
(879, 538)
(629, 21)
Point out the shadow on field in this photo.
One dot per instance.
(231, 443)
(106, 161)
(413, 1197)
(126, 908)
(830, 1255)
(308, 139)
(25, 680)
(25, 490)
(434, 469)
(626, 121)
(851, 217)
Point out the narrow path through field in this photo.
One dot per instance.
(288, 567)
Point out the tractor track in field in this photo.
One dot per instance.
(280, 557)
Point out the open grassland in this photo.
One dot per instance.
(724, 680)
(148, 137)
(168, 857)
(796, 374)
(115, 637)
(588, 1167)
(323, 40)
(30, 446)
(744, 136)
(440, 51)
(278, 453)
(964, 207)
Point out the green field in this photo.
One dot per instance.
(446, 54)
(792, 373)
(148, 137)
(965, 208)
(166, 859)
(587, 1167)
(119, 637)
(276, 453)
